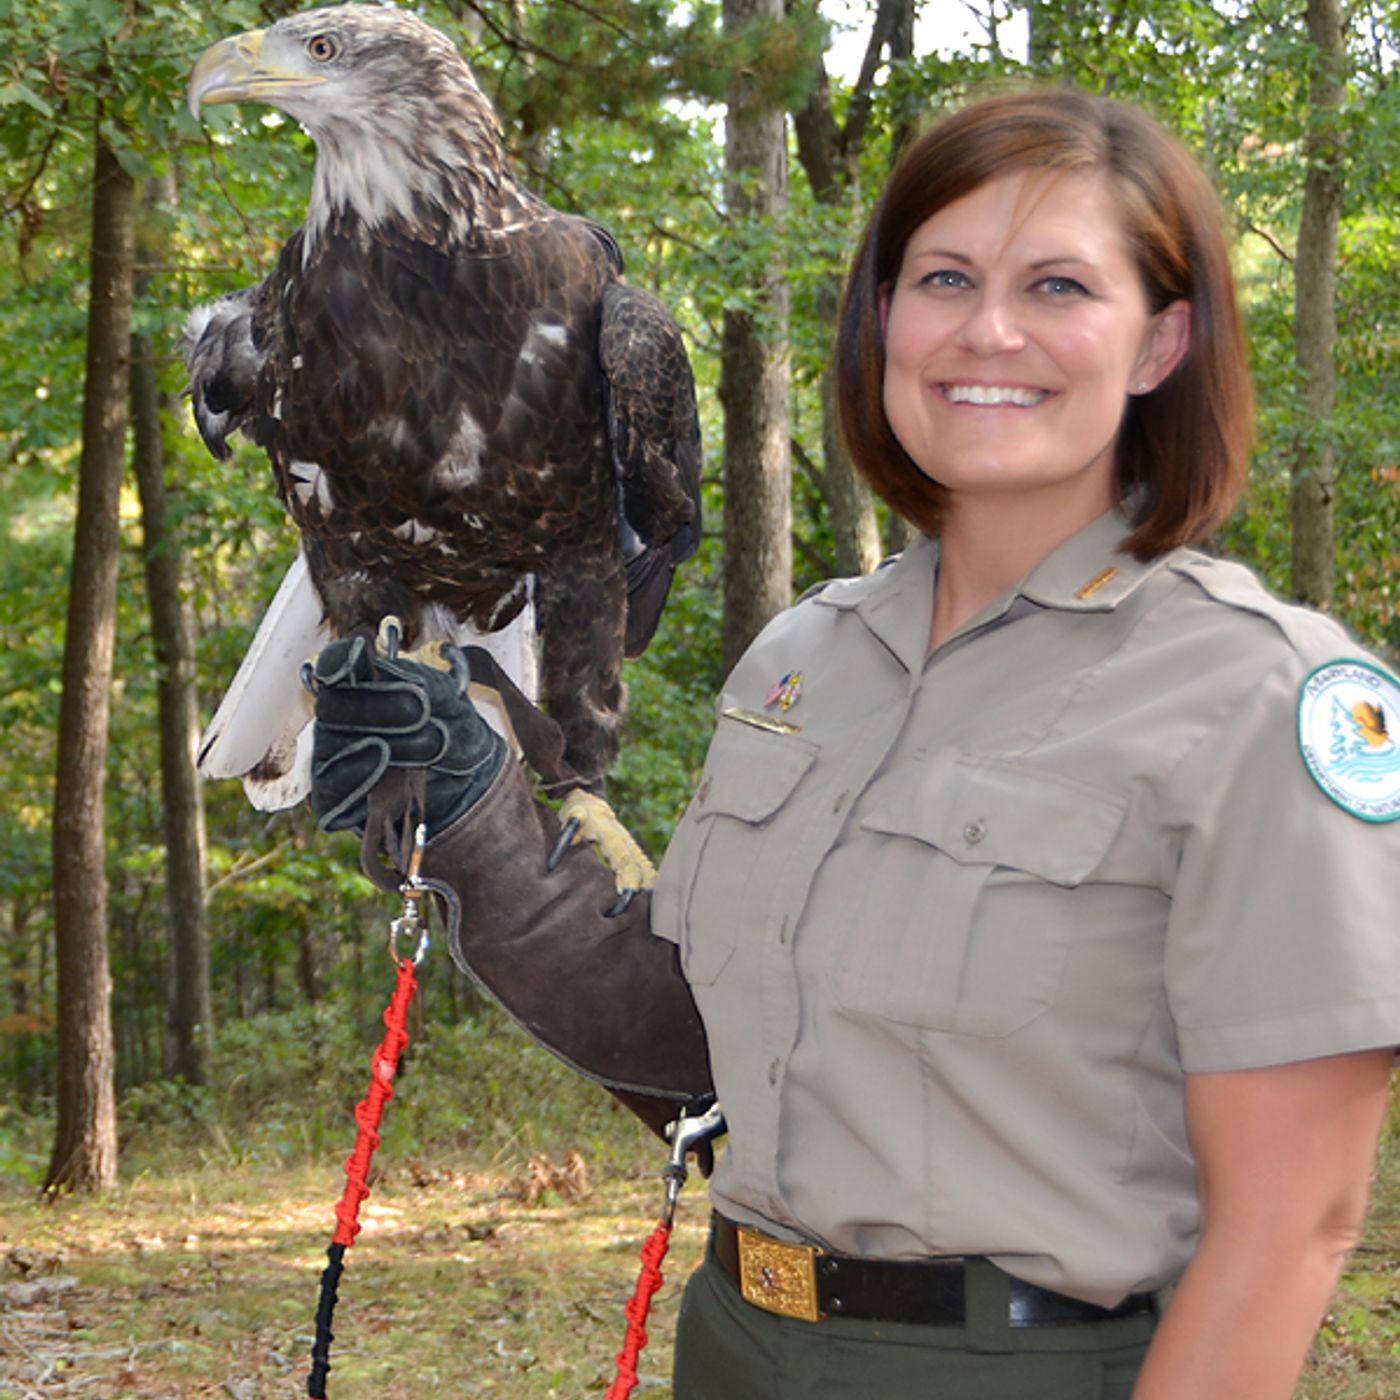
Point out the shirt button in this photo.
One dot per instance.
(840, 801)
(773, 1072)
(704, 791)
(973, 832)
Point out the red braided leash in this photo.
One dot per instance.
(369, 1112)
(368, 1115)
(700, 1122)
(648, 1281)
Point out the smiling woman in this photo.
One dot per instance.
(1016, 329)
(1062, 177)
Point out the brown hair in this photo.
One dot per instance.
(1182, 448)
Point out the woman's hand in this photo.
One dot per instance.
(374, 714)
(1283, 1157)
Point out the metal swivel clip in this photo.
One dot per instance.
(689, 1133)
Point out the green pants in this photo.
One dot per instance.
(728, 1350)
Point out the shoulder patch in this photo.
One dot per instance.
(1349, 735)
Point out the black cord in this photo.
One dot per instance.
(325, 1310)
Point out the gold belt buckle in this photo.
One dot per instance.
(778, 1277)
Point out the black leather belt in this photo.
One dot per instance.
(802, 1281)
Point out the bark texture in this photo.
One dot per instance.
(182, 798)
(188, 1014)
(1315, 310)
(85, 1146)
(829, 152)
(755, 371)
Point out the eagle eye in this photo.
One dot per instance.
(322, 47)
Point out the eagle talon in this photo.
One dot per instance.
(596, 822)
(624, 902)
(389, 636)
(561, 846)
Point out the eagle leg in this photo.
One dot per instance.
(388, 639)
(588, 817)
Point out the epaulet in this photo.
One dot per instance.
(1307, 631)
(818, 588)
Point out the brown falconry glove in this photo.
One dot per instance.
(591, 984)
(601, 992)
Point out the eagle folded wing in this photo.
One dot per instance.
(655, 438)
(223, 362)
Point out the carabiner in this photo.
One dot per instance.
(411, 922)
(688, 1133)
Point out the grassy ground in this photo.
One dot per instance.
(205, 1285)
(491, 1265)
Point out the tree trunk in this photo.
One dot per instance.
(188, 1013)
(755, 369)
(1315, 310)
(308, 963)
(830, 156)
(849, 501)
(85, 1145)
(188, 1016)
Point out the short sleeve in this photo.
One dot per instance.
(671, 879)
(1283, 941)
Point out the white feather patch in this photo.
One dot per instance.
(416, 532)
(309, 480)
(552, 333)
(515, 647)
(460, 465)
(259, 723)
(264, 720)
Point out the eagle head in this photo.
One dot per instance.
(402, 130)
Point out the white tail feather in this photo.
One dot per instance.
(255, 733)
(261, 731)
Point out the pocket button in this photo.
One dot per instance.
(974, 831)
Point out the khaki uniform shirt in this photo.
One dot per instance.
(957, 925)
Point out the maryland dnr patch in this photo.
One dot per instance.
(1349, 732)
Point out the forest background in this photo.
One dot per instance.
(178, 972)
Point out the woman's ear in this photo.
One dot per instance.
(1168, 340)
(884, 310)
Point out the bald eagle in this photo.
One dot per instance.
(468, 410)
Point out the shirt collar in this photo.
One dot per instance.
(895, 602)
(1088, 573)
(1085, 574)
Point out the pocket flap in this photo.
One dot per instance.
(988, 811)
(750, 772)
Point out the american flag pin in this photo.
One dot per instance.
(784, 694)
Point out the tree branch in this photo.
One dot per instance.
(1267, 237)
(240, 870)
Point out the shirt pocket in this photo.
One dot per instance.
(725, 884)
(946, 834)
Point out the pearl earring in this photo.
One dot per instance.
(1142, 386)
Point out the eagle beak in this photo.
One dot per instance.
(231, 71)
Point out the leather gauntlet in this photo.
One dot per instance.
(601, 993)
